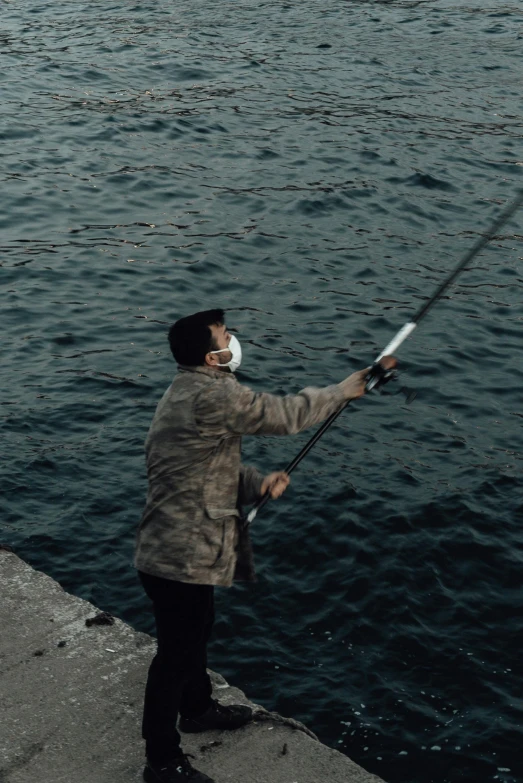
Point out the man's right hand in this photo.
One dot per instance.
(354, 386)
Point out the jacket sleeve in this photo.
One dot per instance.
(250, 485)
(234, 409)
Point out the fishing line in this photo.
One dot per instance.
(379, 375)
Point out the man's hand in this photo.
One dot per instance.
(275, 484)
(354, 386)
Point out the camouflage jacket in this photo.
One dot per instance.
(189, 528)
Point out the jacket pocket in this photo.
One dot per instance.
(218, 535)
(213, 512)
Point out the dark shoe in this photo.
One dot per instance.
(178, 770)
(218, 716)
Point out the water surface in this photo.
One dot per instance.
(316, 169)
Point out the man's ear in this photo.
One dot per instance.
(211, 360)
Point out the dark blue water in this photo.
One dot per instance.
(316, 169)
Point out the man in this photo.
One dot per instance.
(190, 537)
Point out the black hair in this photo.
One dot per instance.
(191, 339)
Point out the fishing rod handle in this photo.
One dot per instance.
(379, 374)
(396, 341)
(257, 506)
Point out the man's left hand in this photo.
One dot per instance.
(275, 484)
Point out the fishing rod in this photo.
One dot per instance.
(379, 374)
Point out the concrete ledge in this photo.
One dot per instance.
(71, 701)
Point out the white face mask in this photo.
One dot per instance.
(235, 348)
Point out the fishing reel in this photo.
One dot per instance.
(378, 376)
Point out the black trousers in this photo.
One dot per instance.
(178, 682)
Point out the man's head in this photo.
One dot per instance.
(195, 339)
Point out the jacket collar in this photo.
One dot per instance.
(209, 371)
